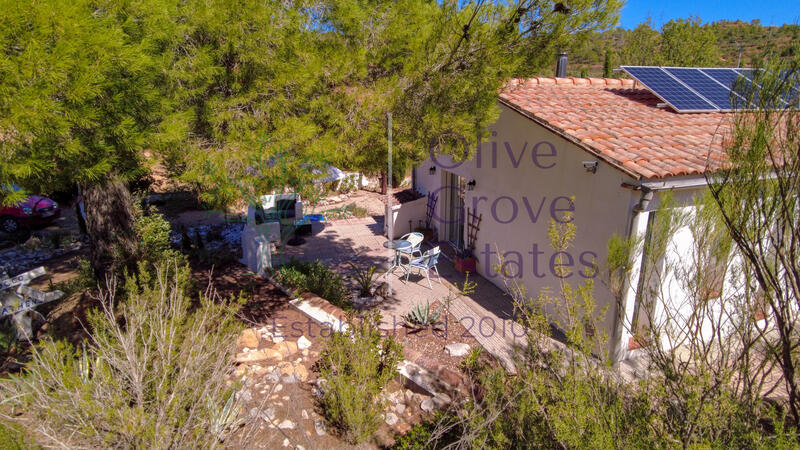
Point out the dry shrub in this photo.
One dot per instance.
(151, 374)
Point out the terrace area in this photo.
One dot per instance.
(486, 313)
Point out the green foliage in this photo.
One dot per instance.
(357, 365)
(76, 95)
(364, 278)
(8, 334)
(151, 375)
(430, 434)
(315, 277)
(688, 43)
(345, 212)
(84, 280)
(421, 315)
(12, 437)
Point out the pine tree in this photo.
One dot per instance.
(608, 68)
(76, 104)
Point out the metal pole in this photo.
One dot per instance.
(389, 198)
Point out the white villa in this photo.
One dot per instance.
(608, 143)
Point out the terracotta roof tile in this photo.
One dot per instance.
(621, 122)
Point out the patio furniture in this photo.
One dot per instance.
(398, 245)
(415, 239)
(426, 263)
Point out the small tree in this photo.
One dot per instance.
(757, 193)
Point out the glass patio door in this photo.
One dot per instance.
(454, 208)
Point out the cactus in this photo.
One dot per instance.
(421, 315)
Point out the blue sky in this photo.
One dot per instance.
(771, 12)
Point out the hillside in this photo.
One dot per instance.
(587, 56)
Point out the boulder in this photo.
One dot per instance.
(285, 348)
(391, 419)
(427, 405)
(286, 425)
(303, 343)
(458, 349)
(319, 427)
(258, 355)
(249, 338)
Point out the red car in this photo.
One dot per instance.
(34, 210)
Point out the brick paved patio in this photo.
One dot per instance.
(486, 313)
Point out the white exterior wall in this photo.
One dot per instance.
(676, 304)
(601, 207)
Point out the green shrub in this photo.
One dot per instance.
(84, 280)
(151, 375)
(364, 278)
(12, 438)
(356, 211)
(316, 278)
(153, 234)
(439, 432)
(357, 366)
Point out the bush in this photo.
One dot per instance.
(357, 366)
(12, 438)
(151, 375)
(316, 278)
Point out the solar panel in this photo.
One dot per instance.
(670, 89)
(709, 88)
(690, 89)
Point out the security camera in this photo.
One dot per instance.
(590, 166)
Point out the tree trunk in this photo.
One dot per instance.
(384, 189)
(109, 223)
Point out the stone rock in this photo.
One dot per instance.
(285, 368)
(395, 397)
(442, 400)
(274, 377)
(286, 425)
(400, 408)
(382, 290)
(304, 414)
(458, 349)
(290, 379)
(391, 419)
(427, 405)
(249, 338)
(303, 343)
(319, 427)
(286, 348)
(278, 388)
(277, 339)
(257, 356)
(245, 395)
(268, 414)
(449, 377)
(286, 442)
(301, 372)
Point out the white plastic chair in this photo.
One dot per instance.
(416, 241)
(426, 263)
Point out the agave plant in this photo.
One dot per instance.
(421, 315)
